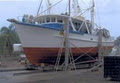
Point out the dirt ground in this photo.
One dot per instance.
(10, 62)
(79, 76)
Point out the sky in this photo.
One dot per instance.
(107, 12)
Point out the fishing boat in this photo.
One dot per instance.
(42, 36)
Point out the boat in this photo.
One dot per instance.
(42, 36)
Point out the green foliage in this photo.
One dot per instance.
(8, 37)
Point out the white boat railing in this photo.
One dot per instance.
(19, 18)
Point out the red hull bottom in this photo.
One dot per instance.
(37, 56)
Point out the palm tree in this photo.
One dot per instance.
(8, 37)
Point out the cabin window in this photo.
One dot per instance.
(60, 20)
(53, 19)
(43, 21)
(76, 24)
(39, 22)
(70, 28)
(79, 24)
(47, 19)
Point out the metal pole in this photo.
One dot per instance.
(69, 7)
(92, 14)
(100, 45)
(49, 7)
(66, 31)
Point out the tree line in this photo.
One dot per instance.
(8, 37)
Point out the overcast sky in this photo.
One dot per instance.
(107, 11)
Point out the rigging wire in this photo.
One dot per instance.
(85, 11)
(39, 7)
(84, 3)
(97, 15)
(66, 7)
(51, 6)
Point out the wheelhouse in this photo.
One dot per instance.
(78, 24)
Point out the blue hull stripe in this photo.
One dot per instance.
(42, 26)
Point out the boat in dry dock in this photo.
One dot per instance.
(42, 36)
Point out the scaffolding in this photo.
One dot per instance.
(68, 53)
(69, 60)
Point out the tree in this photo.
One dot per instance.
(8, 37)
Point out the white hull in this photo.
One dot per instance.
(34, 36)
(41, 45)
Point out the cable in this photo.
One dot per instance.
(84, 3)
(39, 7)
(97, 15)
(51, 6)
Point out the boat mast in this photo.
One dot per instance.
(48, 7)
(92, 14)
(69, 12)
(76, 7)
